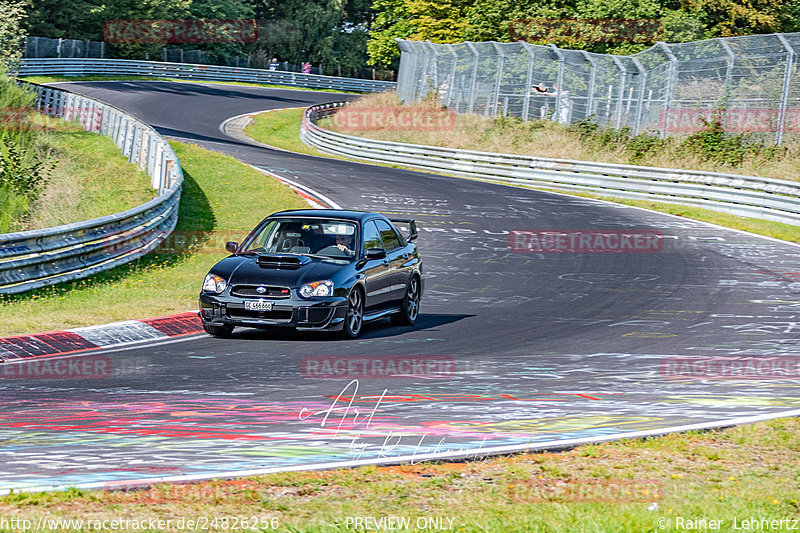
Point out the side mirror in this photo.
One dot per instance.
(376, 253)
(231, 246)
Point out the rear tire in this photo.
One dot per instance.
(218, 331)
(410, 307)
(355, 315)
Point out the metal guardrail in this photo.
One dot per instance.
(747, 196)
(123, 67)
(36, 258)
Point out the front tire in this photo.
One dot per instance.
(224, 330)
(410, 308)
(355, 315)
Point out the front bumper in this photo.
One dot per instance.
(323, 314)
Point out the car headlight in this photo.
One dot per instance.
(214, 283)
(317, 288)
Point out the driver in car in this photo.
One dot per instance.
(345, 243)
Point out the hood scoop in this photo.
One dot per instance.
(288, 262)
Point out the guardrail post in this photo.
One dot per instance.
(671, 73)
(474, 77)
(142, 157)
(128, 138)
(158, 166)
(787, 78)
(640, 102)
(114, 118)
(103, 115)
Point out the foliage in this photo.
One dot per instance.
(23, 171)
(326, 32)
(713, 144)
(637, 147)
(508, 20)
(11, 32)
(18, 173)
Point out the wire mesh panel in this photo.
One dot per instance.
(749, 84)
(67, 48)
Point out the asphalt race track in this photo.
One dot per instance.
(513, 350)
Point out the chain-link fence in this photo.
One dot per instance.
(750, 84)
(44, 47)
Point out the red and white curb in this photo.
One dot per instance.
(83, 339)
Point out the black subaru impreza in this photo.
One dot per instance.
(316, 270)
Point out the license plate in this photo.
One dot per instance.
(258, 305)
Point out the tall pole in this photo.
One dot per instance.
(592, 76)
(474, 77)
(787, 78)
(526, 106)
(560, 81)
(670, 89)
(642, 86)
(621, 93)
(498, 79)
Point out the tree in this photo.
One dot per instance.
(440, 21)
(327, 32)
(11, 33)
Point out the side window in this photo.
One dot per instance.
(372, 238)
(390, 239)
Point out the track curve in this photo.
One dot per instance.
(540, 350)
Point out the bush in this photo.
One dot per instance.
(636, 147)
(20, 175)
(22, 171)
(713, 144)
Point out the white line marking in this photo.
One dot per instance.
(308, 190)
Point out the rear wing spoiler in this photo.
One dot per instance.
(412, 227)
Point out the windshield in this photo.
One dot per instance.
(328, 238)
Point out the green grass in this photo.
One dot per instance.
(742, 472)
(211, 212)
(281, 129)
(56, 79)
(91, 179)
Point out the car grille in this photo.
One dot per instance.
(249, 291)
(275, 314)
